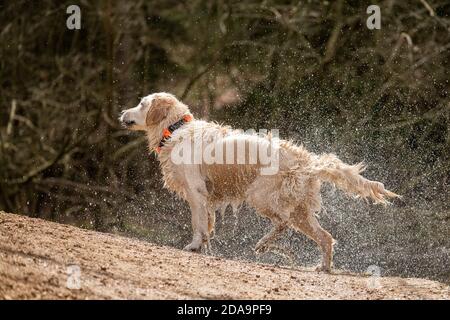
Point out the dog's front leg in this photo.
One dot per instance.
(199, 225)
(197, 198)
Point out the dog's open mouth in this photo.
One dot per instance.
(128, 123)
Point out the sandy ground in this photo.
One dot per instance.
(40, 260)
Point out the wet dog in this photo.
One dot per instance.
(210, 166)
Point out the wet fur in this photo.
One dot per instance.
(290, 198)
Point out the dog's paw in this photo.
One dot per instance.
(193, 247)
(322, 268)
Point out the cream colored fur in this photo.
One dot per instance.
(289, 198)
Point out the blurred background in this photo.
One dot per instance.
(312, 69)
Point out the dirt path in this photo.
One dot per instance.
(38, 259)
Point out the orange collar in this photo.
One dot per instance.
(167, 132)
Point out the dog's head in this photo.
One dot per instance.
(154, 110)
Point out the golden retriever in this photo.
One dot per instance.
(211, 166)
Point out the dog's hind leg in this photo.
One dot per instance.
(304, 221)
(264, 243)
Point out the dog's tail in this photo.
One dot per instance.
(329, 168)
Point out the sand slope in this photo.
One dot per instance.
(40, 259)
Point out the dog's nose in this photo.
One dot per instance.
(126, 121)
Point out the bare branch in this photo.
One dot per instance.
(11, 117)
(428, 7)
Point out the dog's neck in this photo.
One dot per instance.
(156, 133)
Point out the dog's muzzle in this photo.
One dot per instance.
(126, 122)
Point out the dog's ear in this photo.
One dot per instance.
(159, 109)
